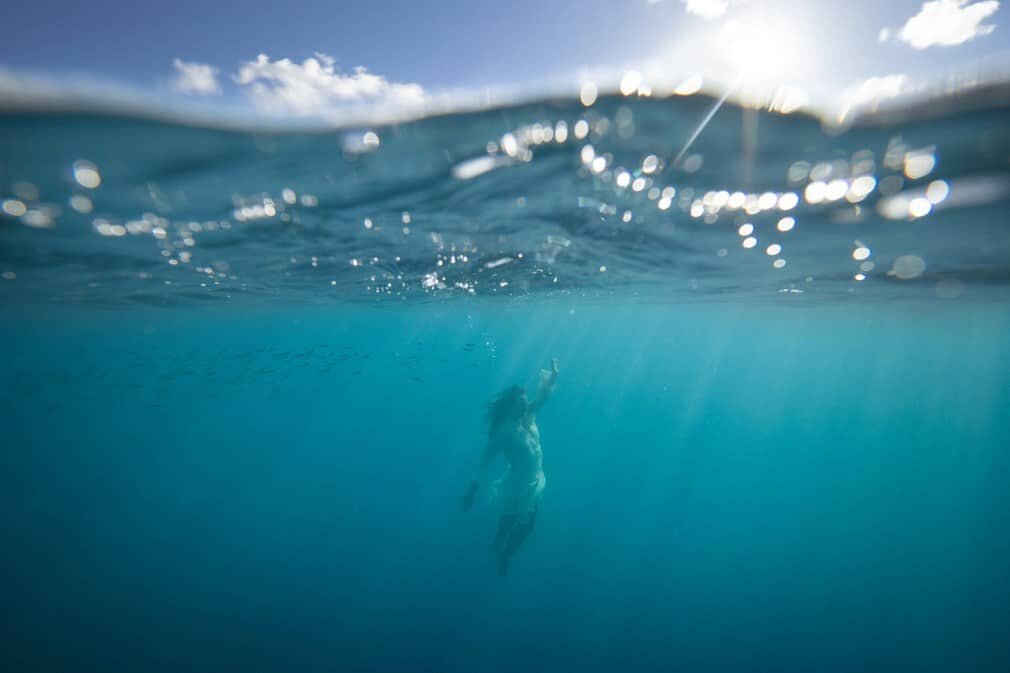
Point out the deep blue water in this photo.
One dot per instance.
(250, 459)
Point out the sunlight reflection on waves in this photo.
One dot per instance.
(538, 198)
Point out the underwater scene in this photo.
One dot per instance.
(612, 377)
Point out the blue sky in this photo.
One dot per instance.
(413, 49)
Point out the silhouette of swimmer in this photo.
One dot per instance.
(513, 434)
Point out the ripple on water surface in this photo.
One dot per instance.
(596, 196)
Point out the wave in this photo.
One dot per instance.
(672, 198)
(30, 92)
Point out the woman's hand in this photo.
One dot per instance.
(548, 377)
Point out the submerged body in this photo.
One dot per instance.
(514, 435)
(519, 490)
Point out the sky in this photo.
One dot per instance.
(305, 58)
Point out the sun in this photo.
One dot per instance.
(760, 54)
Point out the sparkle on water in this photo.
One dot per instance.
(433, 207)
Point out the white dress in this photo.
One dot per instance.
(519, 490)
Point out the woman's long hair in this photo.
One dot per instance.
(501, 408)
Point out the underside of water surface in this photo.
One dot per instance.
(539, 199)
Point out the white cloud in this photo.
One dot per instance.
(870, 93)
(314, 87)
(884, 35)
(946, 23)
(707, 9)
(197, 79)
(877, 88)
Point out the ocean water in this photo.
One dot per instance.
(244, 375)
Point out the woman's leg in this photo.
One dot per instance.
(520, 531)
(505, 525)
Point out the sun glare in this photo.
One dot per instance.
(760, 54)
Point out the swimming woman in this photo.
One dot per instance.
(513, 434)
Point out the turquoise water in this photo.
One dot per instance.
(250, 458)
